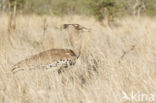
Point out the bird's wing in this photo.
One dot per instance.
(45, 57)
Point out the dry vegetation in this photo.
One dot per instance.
(115, 59)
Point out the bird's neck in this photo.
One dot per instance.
(75, 41)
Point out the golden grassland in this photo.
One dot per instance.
(116, 58)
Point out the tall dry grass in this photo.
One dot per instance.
(115, 58)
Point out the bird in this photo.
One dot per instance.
(61, 58)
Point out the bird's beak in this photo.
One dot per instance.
(86, 29)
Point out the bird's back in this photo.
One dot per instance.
(49, 58)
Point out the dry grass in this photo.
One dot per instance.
(115, 59)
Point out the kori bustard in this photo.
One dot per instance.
(55, 57)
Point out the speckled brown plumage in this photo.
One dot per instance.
(55, 57)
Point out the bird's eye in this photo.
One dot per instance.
(65, 26)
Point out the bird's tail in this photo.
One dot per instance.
(16, 69)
